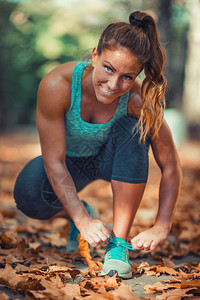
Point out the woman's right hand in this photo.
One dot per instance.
(94, 231)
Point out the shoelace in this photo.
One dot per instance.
(125, 245)
(119, 251)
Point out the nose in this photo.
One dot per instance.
(113, 83)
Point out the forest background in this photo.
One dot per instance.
(36, 36)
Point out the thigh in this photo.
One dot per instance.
(33, 193)
(130, 159)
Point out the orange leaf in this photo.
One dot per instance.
(63, 232)
(72, 290)
(111, 282)
(176, 294)
(8, 277)
(4, 296)
(190, 283)
(84, 251)
(124, 292)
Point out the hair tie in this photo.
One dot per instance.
(137, 22)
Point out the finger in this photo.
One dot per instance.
(91, 242)
(103, 237)
(106, 231)
(96, 238)
(140, 244)
(147, 245)
(153, 245)
(134, 243)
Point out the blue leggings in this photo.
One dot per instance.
(122, 158)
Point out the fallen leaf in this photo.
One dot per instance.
(124, 292)
(84, 251)
(9, 278)
(111, 282)
(4, 296)
(72, 290)
(176, 294)
(156, 287)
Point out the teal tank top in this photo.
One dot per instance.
(83, 138)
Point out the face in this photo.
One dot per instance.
(114, 73)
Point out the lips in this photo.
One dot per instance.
(107, 92)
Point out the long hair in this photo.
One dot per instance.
(141, 37)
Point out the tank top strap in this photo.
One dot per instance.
(122, 109)
(76, 85)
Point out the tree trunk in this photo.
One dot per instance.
(191, 98)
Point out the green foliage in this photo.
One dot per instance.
(36, 36)
(29, 49)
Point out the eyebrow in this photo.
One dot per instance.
(115, 69)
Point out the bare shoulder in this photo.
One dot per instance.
(55, 89)
(135, 100)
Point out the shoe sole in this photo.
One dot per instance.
(115, 272)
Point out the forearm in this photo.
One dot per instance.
(168, 195)
(64, 187)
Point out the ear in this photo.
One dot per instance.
(94, 56)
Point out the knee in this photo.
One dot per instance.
(27, 189)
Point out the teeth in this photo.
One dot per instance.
(109, 93)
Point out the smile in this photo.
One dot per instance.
(107, 92)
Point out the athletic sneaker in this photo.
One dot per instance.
(72, 242)
(116, 260)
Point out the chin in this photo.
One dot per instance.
(105, 100)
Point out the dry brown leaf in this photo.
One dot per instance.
(9, 239)
(154, 288)
(190, 283)
(74, 273)
(111, 282)
(124, 292)
(8, 213)
(176, 294)
(63, 232)
(4, 296)
(35, 246)
(168, 263)
(166, 270)
(72, 291)
(102, 290)
(9, 278)
(50, 290)
(55, 239)
(84, 251)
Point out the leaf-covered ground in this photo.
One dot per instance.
(35, 265)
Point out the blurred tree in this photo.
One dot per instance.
(5, 30)
(29, 48)
(36, 36)
(192, 73)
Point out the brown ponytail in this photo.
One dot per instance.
(141, 37)
(154, 83)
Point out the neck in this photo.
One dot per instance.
(87, 84)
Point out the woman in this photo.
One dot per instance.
(104, 119)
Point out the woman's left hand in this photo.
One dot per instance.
(150, 239)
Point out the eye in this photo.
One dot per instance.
(108, 69)
(126, 77)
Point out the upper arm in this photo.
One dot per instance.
(52, 102)
(164, 149)
(163, 146)
(135, 100)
